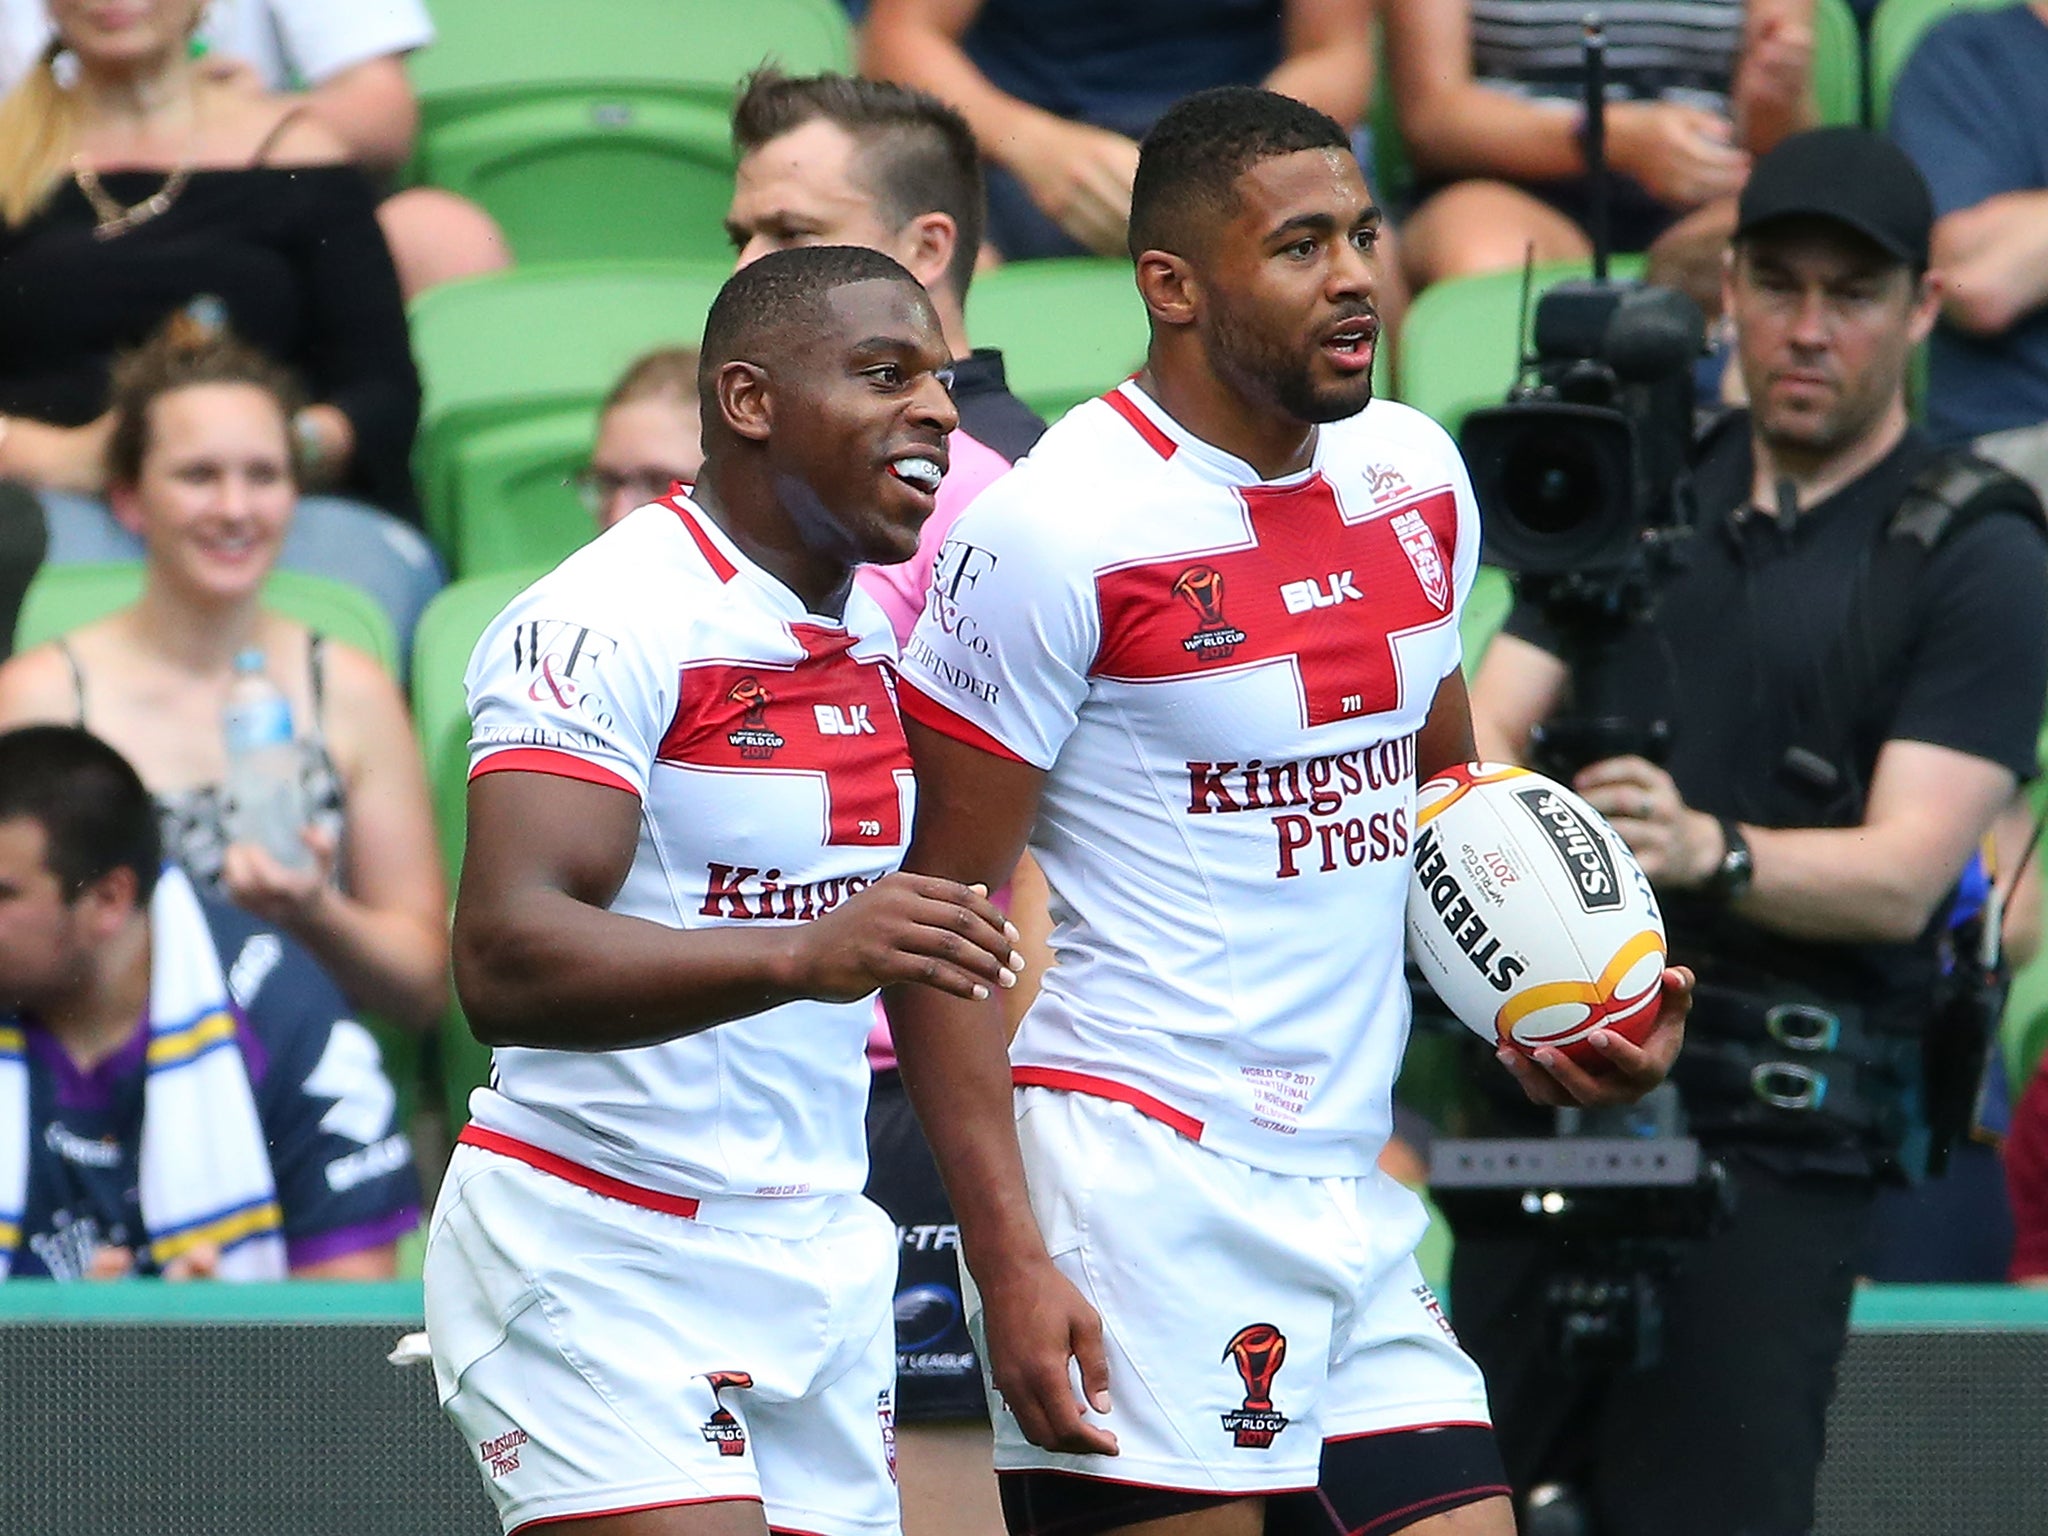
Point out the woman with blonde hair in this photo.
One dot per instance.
(200, 466)
(133, 185)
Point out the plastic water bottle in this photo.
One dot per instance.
(264, 797)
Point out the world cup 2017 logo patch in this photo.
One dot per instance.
(1215, 637)
(1257, 1350)
(752, 737)
(722, 1429)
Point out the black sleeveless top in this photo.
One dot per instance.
(295, 255)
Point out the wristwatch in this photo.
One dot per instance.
(1731, 877)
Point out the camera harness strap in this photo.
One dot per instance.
(1947, 496)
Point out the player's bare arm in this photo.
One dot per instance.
(539, 961)
(1445, 739)
(974, 813)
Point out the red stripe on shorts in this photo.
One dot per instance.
(1103, 1088)
(1128, 1482)
(632, 1509)
(575, 1173)
(1408, 1429)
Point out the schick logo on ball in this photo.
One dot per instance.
(1583, 850)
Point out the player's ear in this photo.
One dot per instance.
(1169, 287)
(744, 400)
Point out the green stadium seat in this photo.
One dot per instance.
(1895, 31)
(447, 633)
(1069, 328)
(1460, 346)
(602, 130)
(62, 597)
(1837, 63)
(1391, 173)
(2024, 1030)
(512, 482)
(538, 347)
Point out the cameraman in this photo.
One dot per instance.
(1850, 710)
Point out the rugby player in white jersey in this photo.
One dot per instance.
(1196, 649)
(658, 1302)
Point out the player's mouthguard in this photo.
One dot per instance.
(924, 474)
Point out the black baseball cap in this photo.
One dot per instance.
(1849, 175)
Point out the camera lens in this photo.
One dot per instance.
(1551, 484)
(1555, 483)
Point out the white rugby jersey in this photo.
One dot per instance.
(1222, 678)
(764, 746)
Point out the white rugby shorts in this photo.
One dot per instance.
(1248, 1316)
(600, 1357)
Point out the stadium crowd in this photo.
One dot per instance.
(229, 232)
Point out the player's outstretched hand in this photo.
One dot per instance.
(1550, 1077)
(908, 928)
(1034, 1322)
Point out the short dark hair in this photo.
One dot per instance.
(917, 155)
(782, 292)
(1189, 163)
(183, 353)
(94, 812)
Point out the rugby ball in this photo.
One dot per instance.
(1528, 915)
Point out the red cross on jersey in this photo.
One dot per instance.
(1222, 679)
(1316, 590)
(828, 716)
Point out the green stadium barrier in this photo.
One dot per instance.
(211, 1409)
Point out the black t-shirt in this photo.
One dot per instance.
(295, 255)
(1746, 644)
